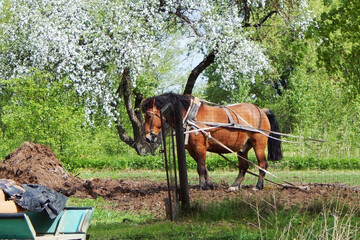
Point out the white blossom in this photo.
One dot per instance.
(91, 42)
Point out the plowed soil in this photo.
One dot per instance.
(37, 164)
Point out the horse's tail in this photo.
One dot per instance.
(274, 142)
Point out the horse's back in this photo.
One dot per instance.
(250, 115)
(243, 114)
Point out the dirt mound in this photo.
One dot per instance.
(37, 164)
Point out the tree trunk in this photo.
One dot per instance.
(209, 59)
(138, 141)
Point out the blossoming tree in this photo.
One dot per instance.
(103, 46)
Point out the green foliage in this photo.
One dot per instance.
(38, 110)
(95, 148)
(317, 106)
(338, 33)
(313, 163)
(218, 91)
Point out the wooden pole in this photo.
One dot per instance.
(180, 147)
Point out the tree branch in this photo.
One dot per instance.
(138, 100)
(180, 14)
(126, 88)
(119, 126)
(262, 21)
(138, 142)
(209, 59)
(265, 18)
(123, 135)
(247, 11)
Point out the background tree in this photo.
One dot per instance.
(279, 27)
(37, 112)
(339, 37)
(104, 47)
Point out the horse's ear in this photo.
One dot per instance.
(151, 102)
(148, 102)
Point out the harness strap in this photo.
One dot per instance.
(193, 110)
(208, 135)
(190, 115)
(260, 117)
(231, 121)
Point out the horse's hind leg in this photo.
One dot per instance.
(243, 167)
(259, 148)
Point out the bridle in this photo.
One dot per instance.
(153, 114)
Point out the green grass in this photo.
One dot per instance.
(350, 177)
(213, 162)
(155, 175)
(111, 224)
(238, 218)
(105, 215)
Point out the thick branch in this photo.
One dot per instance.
(138, 142)
(180, 14)
(197, 71)
(124, 136)
(120, 128)
(247, 11)
(138, 100)
(265, 18)
(126, 88)
(262, 21)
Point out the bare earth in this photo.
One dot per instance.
(37, 164)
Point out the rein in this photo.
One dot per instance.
(208, 135)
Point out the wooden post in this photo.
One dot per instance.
(180, 147)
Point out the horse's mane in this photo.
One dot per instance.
(162, 100)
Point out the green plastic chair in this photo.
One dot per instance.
(71, 223)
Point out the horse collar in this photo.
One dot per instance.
(192, 110)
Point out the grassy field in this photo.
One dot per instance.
(310, 176)
(231, 219)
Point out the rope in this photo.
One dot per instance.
(256, 175)
(234, 126)
(254, 129)
(208, 135)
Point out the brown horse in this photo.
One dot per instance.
(219, 129)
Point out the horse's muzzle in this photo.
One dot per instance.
(150, 137)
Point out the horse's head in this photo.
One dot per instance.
(151, 108)
(152, 120)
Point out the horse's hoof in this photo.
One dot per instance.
(255, 189)
(234, 189)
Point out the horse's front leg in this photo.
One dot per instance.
(197, 150)
(204, 178)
